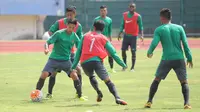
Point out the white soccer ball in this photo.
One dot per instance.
(46, 36)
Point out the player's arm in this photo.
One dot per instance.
(154, 43)
(187, 51)
(53, 28)
(121, 29)
(77, 55)
(122, 25)
(110, 30)
(140, 24)
(77, 40)
(80, 32)
(111, 50)
(50, 41)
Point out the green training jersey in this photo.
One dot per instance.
(171, 35)
(139, 22)
(55, 27)
(108, 25)
(63, 43)
(111, 50)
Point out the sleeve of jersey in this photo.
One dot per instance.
(187, 50)
(122, 25)
(80, 32)
(53, 38)
(110, 29)
(154, 43)
(77, 40)
(78, 55)
(113, 53)
(92, 27)
(54, 27)
(140, 23)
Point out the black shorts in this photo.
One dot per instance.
(71, 59)
(72, 56)
(177, 65)
(53, 66)
(129, 41)
(95, 66)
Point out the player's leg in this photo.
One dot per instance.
(52, 81)
(88, 68)
(133, 51)
(180, 69)
(103, 75)
(47, 71)
(162, 71)
(72, 56)
(111, 63)
(66, 66)
(125, 44)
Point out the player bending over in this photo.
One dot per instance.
(59, 25)
(170, 35)
(63, 41)
(91, 52)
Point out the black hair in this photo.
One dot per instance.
(99, 25)
(103, 7)
(166, 13)
(71, 9)
(70, 21)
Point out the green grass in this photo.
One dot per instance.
(19, 73)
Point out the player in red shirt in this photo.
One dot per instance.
(131, 25)
(91, 52)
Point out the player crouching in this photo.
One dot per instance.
(63, 41)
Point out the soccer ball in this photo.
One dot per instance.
(36, 95)
(46, 36)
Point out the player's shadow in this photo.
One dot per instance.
(80, 105)
(135, 109)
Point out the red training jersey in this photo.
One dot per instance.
(93, 45)
(130, 24)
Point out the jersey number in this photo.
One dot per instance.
(91, 45)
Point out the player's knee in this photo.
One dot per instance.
(183, 81)
(107, 80)
(78, 68)
(157, 79)
(74, 76)
(54, 74)
(44, 75)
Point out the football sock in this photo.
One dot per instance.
(153, 89)
(110, 60)
(94, 84)
(40, 84)
(112, 89)
(52, 81)
(185, 91)
(124, 56)
(80, 79)
(133, 59)
(78, 88)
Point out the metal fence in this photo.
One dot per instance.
(184, 12)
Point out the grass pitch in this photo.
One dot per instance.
(19, 73)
